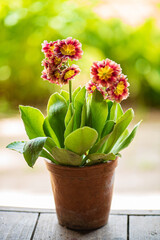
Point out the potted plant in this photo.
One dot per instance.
(82, 135)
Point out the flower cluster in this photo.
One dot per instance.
(107, 78)
(57, 53)
(106, 75)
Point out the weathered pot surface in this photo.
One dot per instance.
(82, 194)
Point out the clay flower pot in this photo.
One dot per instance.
(82, 195)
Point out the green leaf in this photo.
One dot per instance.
(75, 93)
(68, 114)
(119, 111)
(81, 140)
(121, 138)
(88, 117)
(99, 112)
(66, 157)
(110, 103)
(45, 154)
(84, 115)
(17, 146)
(33, 148)
(99, 144)
(118, 155)
(116, 111)
(33, 121)
(119, 128)
(108, 127)
(113, 112)
(49, 131)
(127, 140)
(69, 127)
(65, 94)
(99, 158)
(49, 144)
(78, 104)
(57, 108)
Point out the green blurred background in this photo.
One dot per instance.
(25, 24)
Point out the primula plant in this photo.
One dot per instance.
(82, 128)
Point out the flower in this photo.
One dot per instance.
(91, 87)
(56, 66)
(45, 63)
(108, 79)
(69, 48)
(52, 76)
(105, 72)
(56, 61)
(51, 72)
(48, 48)
(118, 91)
(69, 73)
(58, 75)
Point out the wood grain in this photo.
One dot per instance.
(113, 212)
(49, 229)
(17, 226)
(144, 227)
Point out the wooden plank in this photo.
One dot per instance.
(31, 210)
(113, 212)
(17, 226)
(136, 212)
(48, 228)
(144, 227)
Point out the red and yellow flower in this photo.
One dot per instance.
(56, 61)
(118, 91)
(45, 63)
(69, 48)
(48, 48)
(51, 72)
(52, 76)
(91, 87)
(105, 72)
(59, 75)
(69, 73)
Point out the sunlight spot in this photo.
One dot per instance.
(5, 72)
(11, 19)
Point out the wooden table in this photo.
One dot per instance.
(37, 224)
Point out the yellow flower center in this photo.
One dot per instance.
(57, 74)
(52, 48)
(57, 61)
(93, 88)
(119, 89)
(68, 49)
(104, 73)
(69, 74)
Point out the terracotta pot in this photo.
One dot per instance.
(82, 195)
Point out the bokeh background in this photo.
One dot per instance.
(126, 31)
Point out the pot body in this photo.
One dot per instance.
(82, 194)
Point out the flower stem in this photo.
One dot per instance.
(70, 91)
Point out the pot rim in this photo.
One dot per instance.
(82, 168)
